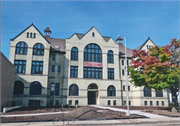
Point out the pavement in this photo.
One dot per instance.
(153, 119)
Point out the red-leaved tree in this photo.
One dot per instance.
(157, 69)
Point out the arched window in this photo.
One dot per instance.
(38, 49)
(92, 52)
(159, 93)
(74, 54)
(111, 91)
(35, 88)
(147, 92)
(110, 58)
(18, 88)
(21, 48)
(73, 90)
(93, 34)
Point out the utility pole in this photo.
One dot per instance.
(127, 93)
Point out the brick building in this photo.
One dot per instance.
(7, 81)
(82, 69)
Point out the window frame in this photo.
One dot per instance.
(110, 57)
(53, 69)
(18, 88)
(92, 53)
(111, 91)
(37, 90)
(36, 65)
(76, 88)
(74, 72)
(111, 73)
(23, 66)
(38, 47)
(93, 72)
(54, 89)
(74, 54)
(147, 92)
(159, 93)
(21, 46)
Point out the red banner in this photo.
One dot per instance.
(93, 64)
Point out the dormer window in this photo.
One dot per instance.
(93, 34)
(28, 35)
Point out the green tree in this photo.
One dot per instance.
(157, 69)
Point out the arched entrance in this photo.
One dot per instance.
(92, 94)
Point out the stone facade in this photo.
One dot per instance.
(7, 81)
(58, 80)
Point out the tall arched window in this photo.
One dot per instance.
(110, 58)
(73, 90)
(92, 53)
(35, 88)
(74, 54)
(21, 48)
(38, 49)
(147, 92)
(30, 35)
(18, 88)
(111, 91)
(159, 93)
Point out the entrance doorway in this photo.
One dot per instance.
(92, 94)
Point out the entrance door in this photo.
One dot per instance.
(91, 97)
(92, 94)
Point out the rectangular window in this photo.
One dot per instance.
(53, 67)
(127, 62)
(157, 103)
(51, 102)
(53, 57)
(129, 102)
(122, 62)
(54, 89)
(114, 102)
(123, 88)
(110, 73)
(162, 103)
(122, 72)
(20, 66)
(57, 102)
(70, 102)
(109, 102)
(147, 46)
(76, 102)
(59, 69)
(151, 103)
(128, 88)
(124, 103)
(74, 72)
(93, 72)
(145, 103)
(37, 67)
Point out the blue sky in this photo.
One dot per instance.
(139, 20)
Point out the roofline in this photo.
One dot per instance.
(26, 29)
(145, 43)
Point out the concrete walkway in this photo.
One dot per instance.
(35, 114)
(149, 115)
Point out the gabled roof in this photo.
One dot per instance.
(47, 29)
(141, 46)
(80, 36)
(26, 29)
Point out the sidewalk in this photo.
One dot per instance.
(152, 120)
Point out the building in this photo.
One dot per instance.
(83, 69)
(7, 78)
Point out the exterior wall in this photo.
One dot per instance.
(28, 78)
(83, 83)
(7, 81)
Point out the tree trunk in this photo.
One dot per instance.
(175, 104)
